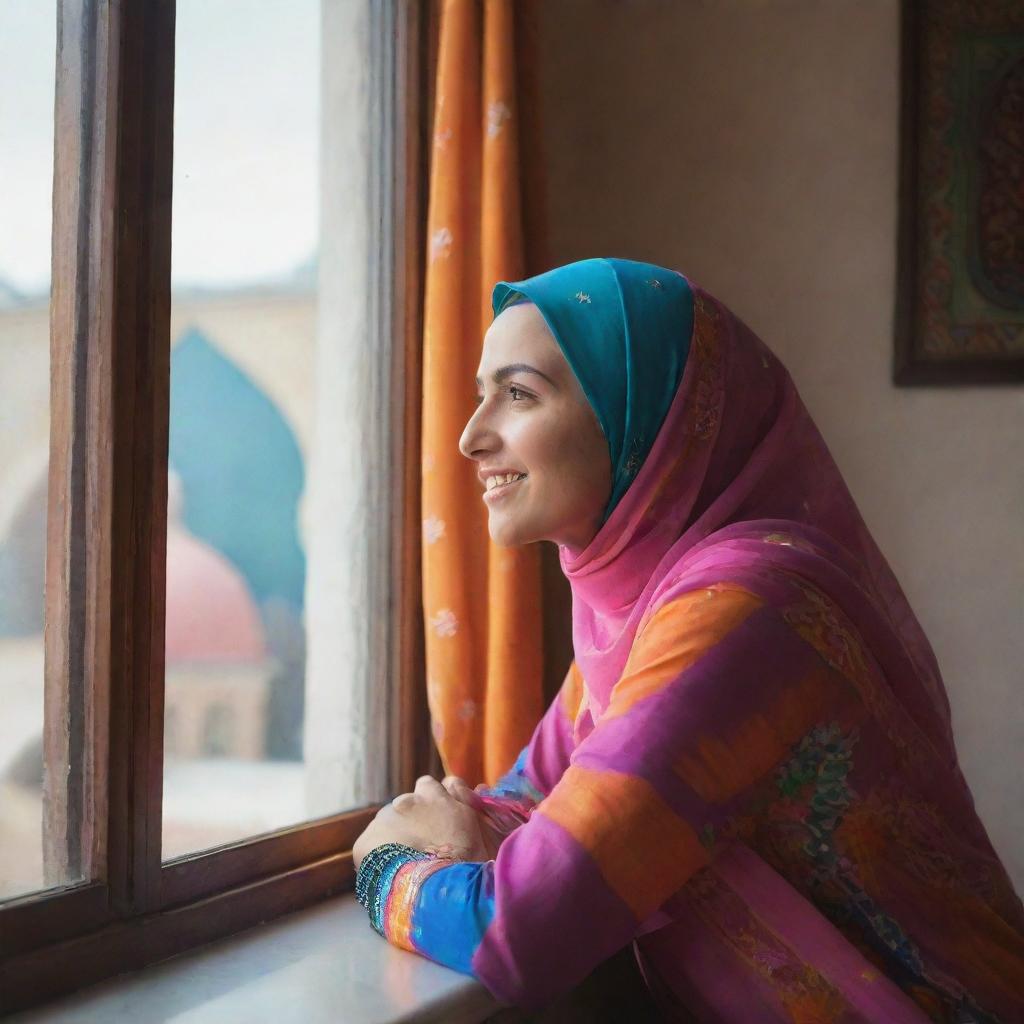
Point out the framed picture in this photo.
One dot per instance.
(960, 282)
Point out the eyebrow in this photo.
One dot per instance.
(511, 370)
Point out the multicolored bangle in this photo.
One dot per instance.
(377, 871)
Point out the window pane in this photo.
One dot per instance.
(27, 65)
(255, 739)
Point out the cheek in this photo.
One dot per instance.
(571, 451)
(586, 439)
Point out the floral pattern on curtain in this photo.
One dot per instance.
(481, 602)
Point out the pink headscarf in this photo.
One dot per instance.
(740, 488)
(739, 485)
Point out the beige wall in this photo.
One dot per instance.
(752, 144)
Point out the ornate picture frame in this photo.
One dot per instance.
(960, 276)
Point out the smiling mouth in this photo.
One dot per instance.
(497, 486)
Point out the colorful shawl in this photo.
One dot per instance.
(750, 770)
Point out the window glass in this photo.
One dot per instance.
(27, 67)
(256, 737)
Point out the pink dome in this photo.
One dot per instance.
(211, 615)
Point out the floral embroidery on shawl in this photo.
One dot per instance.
(806, 995)
(703, 415)
(822, 624)
(815, 792)
(816, 816)
(709, 392)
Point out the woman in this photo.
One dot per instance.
(750, 769)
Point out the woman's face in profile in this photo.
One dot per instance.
(535, 423)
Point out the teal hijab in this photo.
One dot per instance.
(624, 329)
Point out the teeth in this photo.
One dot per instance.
(505, 478)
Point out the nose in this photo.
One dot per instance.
(477, 438)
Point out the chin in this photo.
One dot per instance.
(508, 534)
(504, 538)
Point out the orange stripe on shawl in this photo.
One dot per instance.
(717, 768)
(571, 693)
(644, 851)
(675, 637)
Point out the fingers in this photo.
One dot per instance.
(427, 786)
(459, 789)
(403, 801)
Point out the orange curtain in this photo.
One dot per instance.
(481, 603)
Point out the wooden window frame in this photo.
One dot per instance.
(106, 529)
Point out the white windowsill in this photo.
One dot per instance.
(324, 964)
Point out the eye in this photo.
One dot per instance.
(515, 393)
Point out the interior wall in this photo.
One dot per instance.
(752, 144)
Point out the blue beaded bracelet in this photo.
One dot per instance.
(376, 873)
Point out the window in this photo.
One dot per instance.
(217, 487)
(27, 49)
(245, 317)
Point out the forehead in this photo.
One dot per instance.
(520, 335)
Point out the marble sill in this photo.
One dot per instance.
(319, 965)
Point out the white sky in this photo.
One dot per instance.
(246, 162)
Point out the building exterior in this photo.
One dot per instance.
(241, 423)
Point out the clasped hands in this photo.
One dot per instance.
(442, 818)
